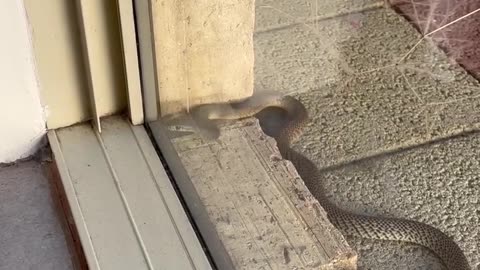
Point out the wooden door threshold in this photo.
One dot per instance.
(240, 190)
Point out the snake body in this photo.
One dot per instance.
(379, 228)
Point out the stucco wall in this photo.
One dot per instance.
(22, 124)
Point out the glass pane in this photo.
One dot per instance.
(376, 105)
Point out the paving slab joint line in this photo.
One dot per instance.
(316, 19)
(400, 149)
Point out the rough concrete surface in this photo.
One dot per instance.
(437, 183)
(31, 235)
(272, 14)
(368, 96)
(344, 75)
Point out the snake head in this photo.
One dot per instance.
(196, 121)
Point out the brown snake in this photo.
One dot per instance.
(351, 224)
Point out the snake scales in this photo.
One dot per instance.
(351, 224)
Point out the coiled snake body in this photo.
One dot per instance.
(348, 223)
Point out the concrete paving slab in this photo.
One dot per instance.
(31, 235)
(368, 97)
(361, 103)
(436, 183)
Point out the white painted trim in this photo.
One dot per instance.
(22, 122)
(130, 60)
(147, 59)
